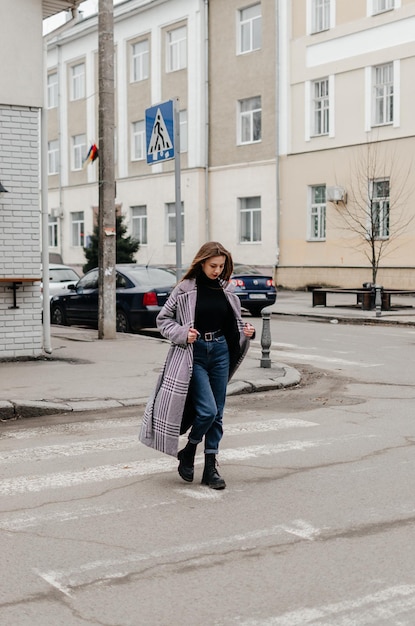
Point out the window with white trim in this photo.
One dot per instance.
(78, 151)
(176, 49)
(139, 223)
(53, 231)
(317, 213)
(380, 204)
(53, 157)
(250, 217)
(171, 221)
(250, 120)
(78, 229)
(320, 15)
(78, 81)
(183, 131)
(383, 92)
(138, 141)
(52, 90)
(379, 6)
(320, 107)
(250, 27)
(140, 60)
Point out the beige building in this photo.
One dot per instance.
(296, 133)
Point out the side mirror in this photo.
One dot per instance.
(72, 287)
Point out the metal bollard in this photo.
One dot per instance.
(265, 339)
(378, 300)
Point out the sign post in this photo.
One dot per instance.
(163, 144)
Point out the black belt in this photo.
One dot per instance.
(212, 335)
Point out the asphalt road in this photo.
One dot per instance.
(316, 526)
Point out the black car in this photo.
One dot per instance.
(255, 290)
(141, 291)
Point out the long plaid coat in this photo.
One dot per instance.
(164, 414)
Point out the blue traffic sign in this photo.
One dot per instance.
(160, 132)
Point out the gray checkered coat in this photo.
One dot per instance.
(162, 421)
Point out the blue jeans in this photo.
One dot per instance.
(208, 391)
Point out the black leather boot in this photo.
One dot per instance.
(211, 475)
(187, 461)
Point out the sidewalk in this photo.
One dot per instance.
(84, 373)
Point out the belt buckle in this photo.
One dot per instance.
(209, 336)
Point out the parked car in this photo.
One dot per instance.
(60, 276)
(255, 290)
(141, 291)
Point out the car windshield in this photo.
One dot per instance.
(62, 275)
(150, 277)
(245, 269)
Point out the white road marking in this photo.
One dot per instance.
(50, 578)
(115, 568)
(298, 356)
(382, 605)
(70, 429)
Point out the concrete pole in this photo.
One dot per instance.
(266, 339)
(106, 191)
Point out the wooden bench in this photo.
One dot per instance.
(364, 297)
(16, 281)
(387, 293)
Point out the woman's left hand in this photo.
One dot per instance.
(248, 330)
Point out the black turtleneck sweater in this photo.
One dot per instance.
(212, 308)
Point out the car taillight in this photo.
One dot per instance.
(270, 283)
(150, 298)
(238, 282)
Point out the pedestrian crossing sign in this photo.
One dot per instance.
(160, 132)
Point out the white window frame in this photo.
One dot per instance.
(138, 141)
(53, 92)
(250, 220)
(176, 49)
(78, 229)
(248, 120)
(375, 7)
(53, 157)
(316, 222)
(383, 95)
(140, 60)
(139, 223)
(311, 17)
(78, 81)
(310, 108)
(380, 204)
(171, 222)
(53, 231)
(78, 152)
(249, 29)
(183, 131)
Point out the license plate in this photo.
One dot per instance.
(257, 296)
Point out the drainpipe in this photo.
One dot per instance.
(207, 220)
(47, 347)
(277, 135)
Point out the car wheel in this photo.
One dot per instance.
(58, 316)
(122, 323)
(255, 311)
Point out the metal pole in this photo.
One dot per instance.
(378, 300)
(106, 192)
(266, 339)
(177, 173)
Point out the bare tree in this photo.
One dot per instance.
(377, 209)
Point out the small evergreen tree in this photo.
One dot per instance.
(126, 246)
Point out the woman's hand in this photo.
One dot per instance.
(248, 330)
(192, 335)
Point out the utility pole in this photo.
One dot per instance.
(106, 191)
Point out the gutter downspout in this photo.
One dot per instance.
(47, 346)
(277, 136)
(207, 217)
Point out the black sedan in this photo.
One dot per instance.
(255, 290)
(141, 291)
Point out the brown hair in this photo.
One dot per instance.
(208, 250)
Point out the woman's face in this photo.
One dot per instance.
(213, 266)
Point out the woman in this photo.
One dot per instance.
(202, 319)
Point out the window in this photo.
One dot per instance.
(176, 49)
(78, 81)
(250, 120)
(317, 213)
(138, 141)
(52, 90)
(379, 6)
(250, 29)
(383, 94)
(380, 208)
(53, 231)
(78, 151)
(53, 157)
(320, 15)
(250, 219)
(171, 222)
(140, 61)
(139, 223)
(320, 106)
(183, 131)
(77, 228)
